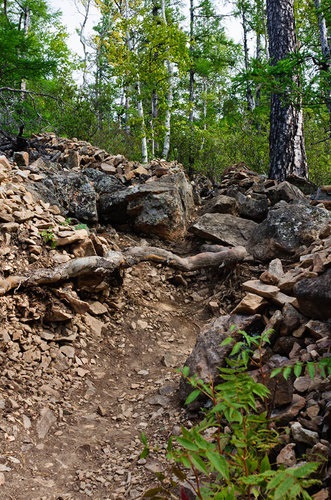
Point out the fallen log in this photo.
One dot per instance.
(103, 266)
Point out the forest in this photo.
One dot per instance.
(162, 79)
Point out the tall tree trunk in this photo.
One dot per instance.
(249, 94)
(86, 6)
(26, 26)
(286, 141)
(325, 42)
(167, 117)
(191, 90)
(144, 154)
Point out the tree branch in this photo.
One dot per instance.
(20, 91)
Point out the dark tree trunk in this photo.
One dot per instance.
(287, 150)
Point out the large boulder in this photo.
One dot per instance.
(161, 207)
(208, 355)
(224, 228)
(286, 229)
(314, 296)
(75, 193)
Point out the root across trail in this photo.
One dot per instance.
(115, 260)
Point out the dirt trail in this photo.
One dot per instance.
(91, 447)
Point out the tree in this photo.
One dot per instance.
(33, 56)
(287, 149)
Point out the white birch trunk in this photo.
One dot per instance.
(144, 154)
(167, 118)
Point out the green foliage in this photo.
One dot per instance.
(48, 237)
(313, 368)
(228, 450)
(81, 226)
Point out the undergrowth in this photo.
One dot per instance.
(226, 456)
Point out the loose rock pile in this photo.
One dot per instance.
(52, 193)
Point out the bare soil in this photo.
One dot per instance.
(68, 435)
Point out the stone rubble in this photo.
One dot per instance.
(86, 367)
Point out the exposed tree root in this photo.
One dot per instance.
(103, 266)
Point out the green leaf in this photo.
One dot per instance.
(143, 439)
(198, 463)
(219, 463)
(276, 372)
(192, 396)
(287, 372)
(265, 464)
(185, 371)
(188, 445)
(311, 370)
(297, 369)
(227, 341)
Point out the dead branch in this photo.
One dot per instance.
(103, 266)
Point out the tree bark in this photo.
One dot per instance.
(103, 266)
(286, 141)
(325, 42)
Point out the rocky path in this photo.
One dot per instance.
(80, 436)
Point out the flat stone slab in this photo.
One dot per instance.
(224, 228)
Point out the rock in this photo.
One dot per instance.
(286, 456)
(321, 495)
(250, 304)
(253, 207)
(281, 390)
(45, 422)
(73, 160)
(108, 169)
(75, 193)
(274, 272)
(318, 329)
(303, 384)
(292, 319)
(269, 292)
(208, 355)
(94, 325)
(162, 207)
(285, 415)
(97, 308)
(314, 296)
(284, 191)
(58, 314)
(4, 162)
(287, 228)
(68, 351)
(224, 228)
(21, 158)
(68, 237)
(222, 204)
(302, 435)
(159, 400)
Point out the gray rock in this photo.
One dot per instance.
(224, 228)
(314, 296)
(284, 191)
(302, 435)
(76, 194)
(253, 207)
(208, 355)
(45, 422)
(286, 228)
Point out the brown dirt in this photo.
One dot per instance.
(92, 447)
